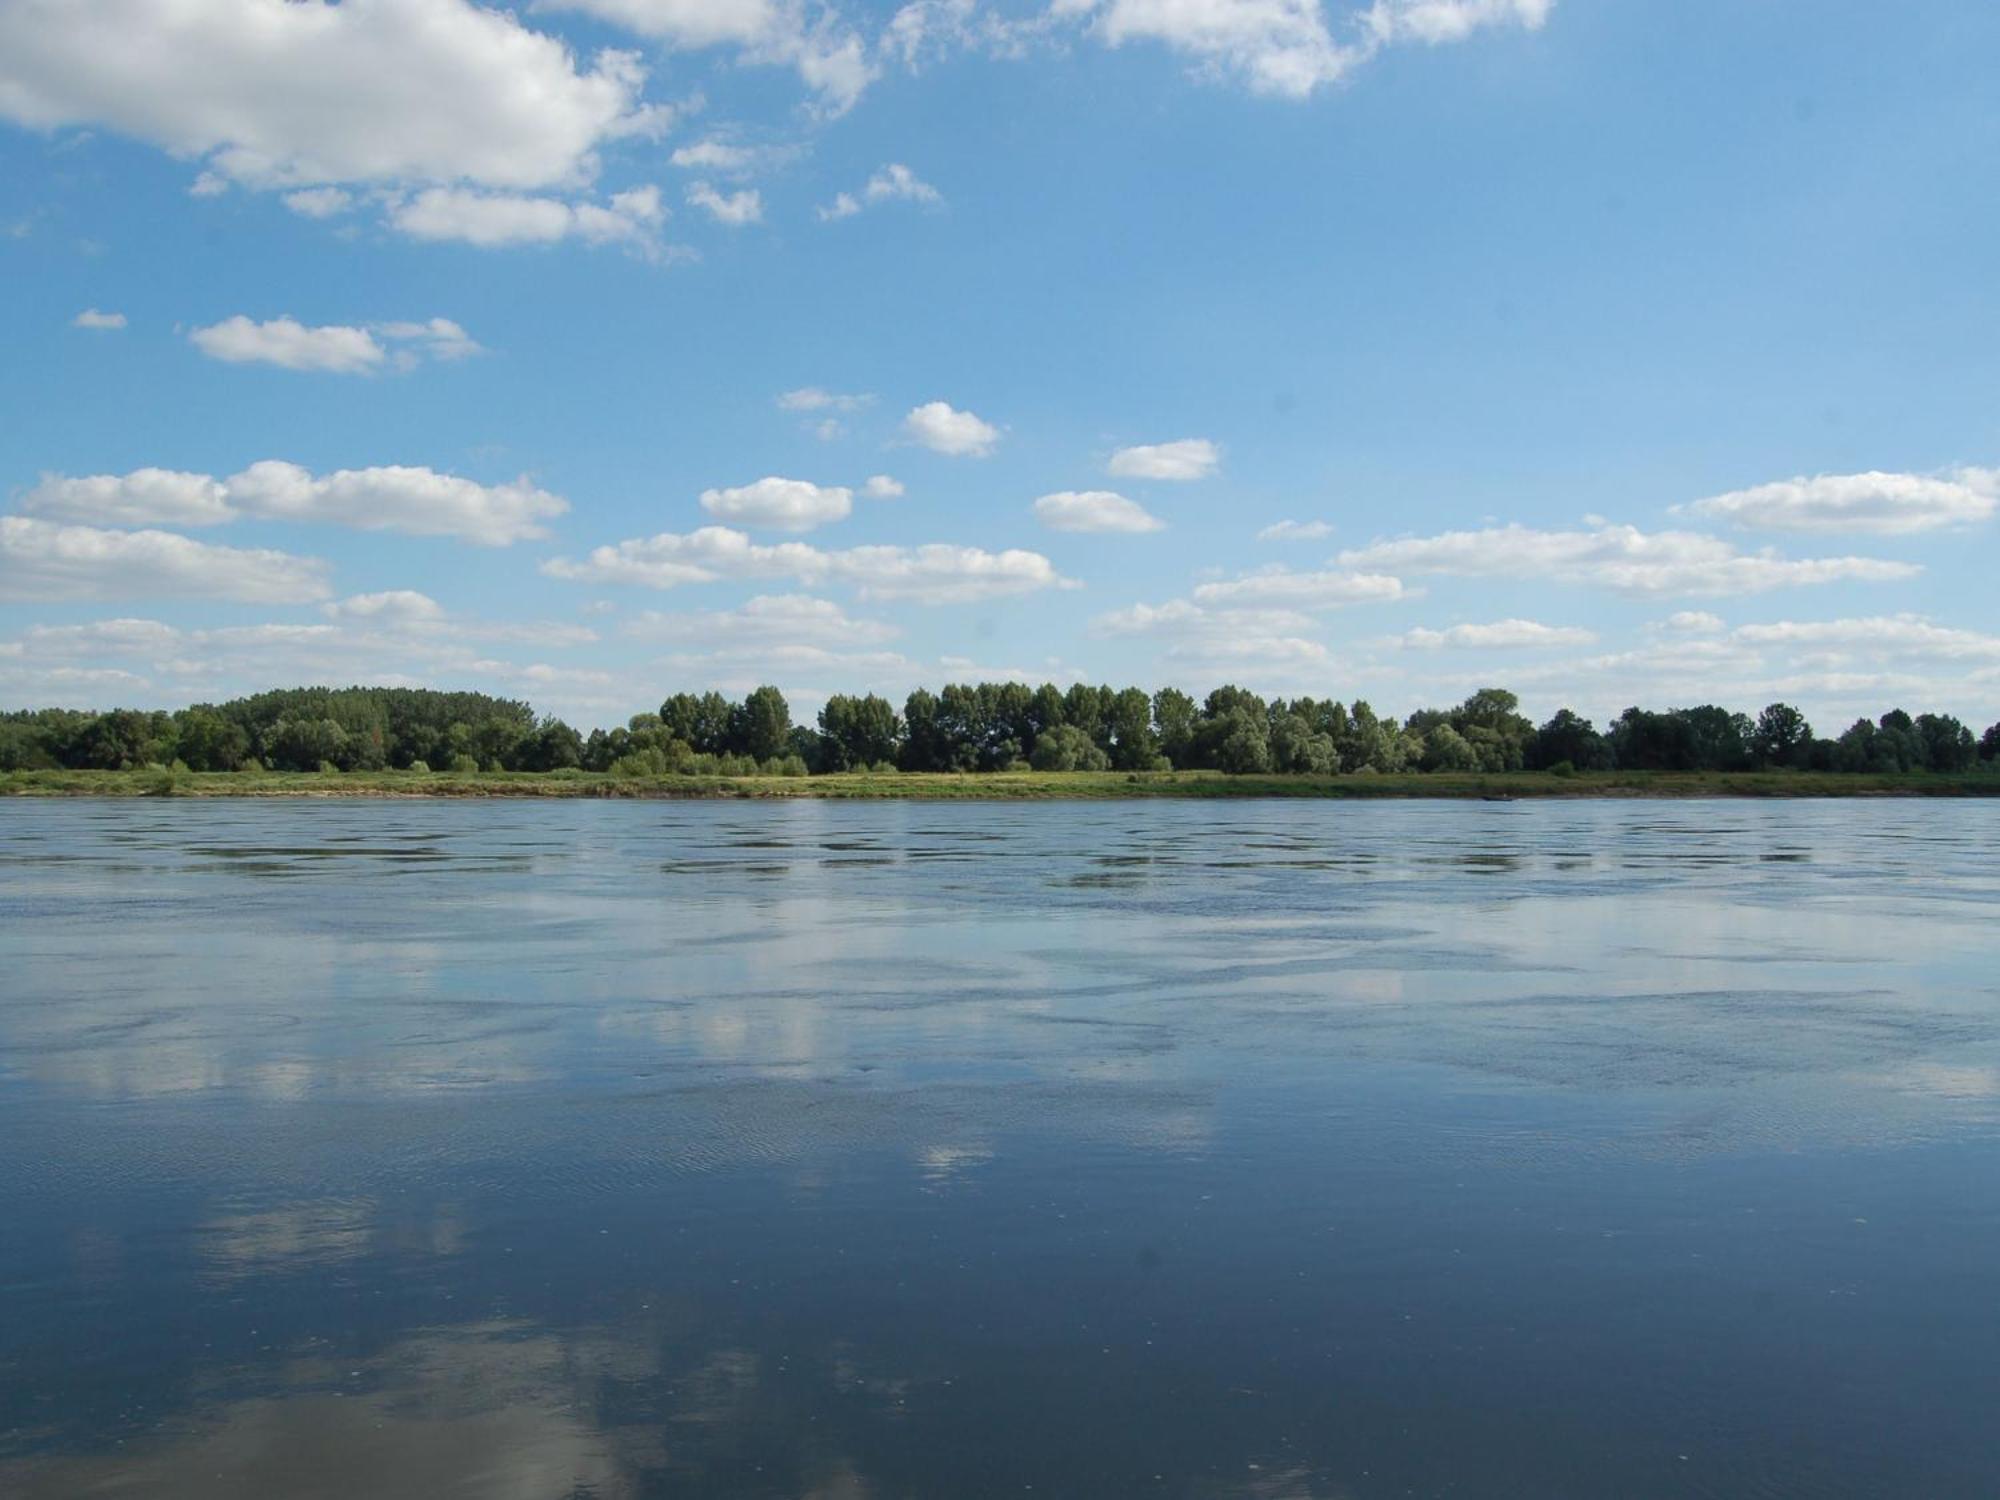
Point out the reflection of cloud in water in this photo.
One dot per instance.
(484, 1410)
(944, 1165)
(318, 1232)
(498, 1410)
(298, 1235)
(1946, 1080)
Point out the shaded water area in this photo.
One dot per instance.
(899, 1149)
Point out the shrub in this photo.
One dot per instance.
(420, 768)
(1562, 768)
(463, 765)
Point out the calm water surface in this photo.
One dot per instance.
(918, 1150)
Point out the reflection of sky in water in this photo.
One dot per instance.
(904, 1149)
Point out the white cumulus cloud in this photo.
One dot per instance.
(936, 573)
(1882, 504)
(333, 348)
(893, 183)
(319, 202)
(781, 504)
(1189, 458)
(829, 58)
(1318, 590)
(410, 499)
(942, 428)
(1286, 47)
(1621, 558)
(90, 317)
(144, 497)
(1295, 531)
(301, 95)
(745, 206)
(390, 607)
(1096, 511)
(766, 620)
(45, 560)
(883, 487)
(1221, 638)
(813, 398)
(1498, 635)
(494, 220)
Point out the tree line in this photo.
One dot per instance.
(964, 727)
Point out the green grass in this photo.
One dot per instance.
(1000, 786)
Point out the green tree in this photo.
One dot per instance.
(304, 744)
(554, 746)
(859, 731)
(1445, 749)
(701, 721)
(762, 727)
(210, 742)
(925, 746)
(1782, 736)
(1298, 748)
(1068, 748)
(1569, 738)
(1948, 744)
(1173, 725)
(1130, 723)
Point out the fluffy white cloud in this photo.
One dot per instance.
(393, 606)
(1883, 504)
(319, 202)
(1320, 590)
(1618, 557)
(894, 183)
(1094, 510)
(1285, 47)
(940, 573)
(143, 497)
(1693, 622)
(1295, 531)
(290, 345)
(745, 206)
(333, 349)
(936, 573)
(1898, 635)
(781, 504)
(713, 156)
(90, 317)
(830, 59)
(1275, 46)
(766, 620)
(493, 220)
(43, 560)
(943, 429)
(1437, 21)
(1190, 458)
(812, 398)
(414, 500)
(883, 487)
(1498, 635)
(269, 94)
(1211, 638)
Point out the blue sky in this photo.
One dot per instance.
(1613, 350)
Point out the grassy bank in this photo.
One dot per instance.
(999, 786)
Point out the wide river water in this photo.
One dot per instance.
(1268, 1149)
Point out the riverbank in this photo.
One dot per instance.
(996, 786)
